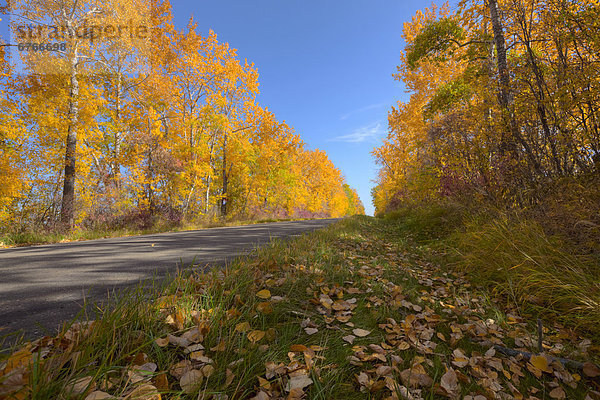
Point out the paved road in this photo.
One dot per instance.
(42, 286)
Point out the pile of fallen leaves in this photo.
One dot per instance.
(364, 323)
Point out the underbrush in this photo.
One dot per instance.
(543, 274)
(34, 235)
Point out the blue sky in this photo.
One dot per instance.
(325, 67)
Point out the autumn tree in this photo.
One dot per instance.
(122, 127)
(501, 102)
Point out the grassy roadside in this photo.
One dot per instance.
(343, 313)
(513, 258)
(32, 238)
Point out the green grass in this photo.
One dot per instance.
(359, 254)
(511, 257)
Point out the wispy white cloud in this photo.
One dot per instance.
(360, 110)
(368, 133)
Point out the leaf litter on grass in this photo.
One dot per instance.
(387, 328)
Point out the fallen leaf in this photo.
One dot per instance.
(349, 339)
(460, 360)
(207, 370)
(416, 377)
(143, 392)
(299, 381)
(363, 379)
(403, 345)
(265, 308)
(264, 294)
(191, 380)
(242, 327)
(178, 341)
(311, 331)
(81, 386)
(298, 348)
(384, 370)
(161, 382)
(181, 368)
(162, 342)
(229, 377)
(295, 394)
(219, 347)
(558, 393)
(591, 370)
(194, 348)
(256, 336)
(141, 372)
(449, 382)
(261, 396)
(361, 332)
(541, 363)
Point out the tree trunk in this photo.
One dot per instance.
(67, 213)
(116, 167)
(225, 182)
(540, 95)
(505, 97)
(209, 178)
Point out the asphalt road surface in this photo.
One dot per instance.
(43, 286)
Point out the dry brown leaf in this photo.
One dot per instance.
(449, 382)
(256, 336)
(298, 381)
(361, 332)
(178, 341)
(229, 377)
(194, 348)
(295, 394)
(416, 377)
(311, 331)
(141, 372)
(261, 396)
(384, 370)
(191, 381)
(558, 393)
(181, 368)
(143, 392)
(207, 370)
(349, 339)
(81, 386)
(196, 334)
(459, 360)
(13, 381)
(591, 370)
(175, 320)
(220, 347)
(162, 342)
(161, 381)
(298, 348)
(403, 345)
(198, 356)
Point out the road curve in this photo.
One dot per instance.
(43, 286)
